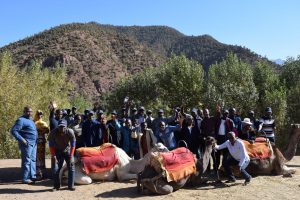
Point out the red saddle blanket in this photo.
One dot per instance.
(178, 163)
(98, 159)
(260, 149)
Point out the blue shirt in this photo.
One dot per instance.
(25, 128)
(167, 136)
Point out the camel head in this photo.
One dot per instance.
(294, 139)
(209, 141)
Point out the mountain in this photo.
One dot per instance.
(279, 61)
(96, 55)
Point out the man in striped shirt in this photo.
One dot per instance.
(267, 125)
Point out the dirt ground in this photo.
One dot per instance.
(262, 187)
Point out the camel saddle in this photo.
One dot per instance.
(98, 159)
(175, 165)
(260, 149)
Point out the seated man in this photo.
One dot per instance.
(237, 156)
(247, 131)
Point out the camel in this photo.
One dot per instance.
(126, 168)
(155, 182)
(150, 180)
(276, 164)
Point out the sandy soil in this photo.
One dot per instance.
(262, 187)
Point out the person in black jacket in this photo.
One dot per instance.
(223, 125)
(191, 135)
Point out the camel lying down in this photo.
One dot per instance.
(155, 181)
(158, 179)
(125, 168)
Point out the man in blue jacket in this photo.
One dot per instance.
(25, 132)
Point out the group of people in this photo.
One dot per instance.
(135, 131)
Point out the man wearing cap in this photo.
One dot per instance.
(62, 146)
(267, 125)
(69, 117)
(237, 122)
(114, 127)
(237, 156)
(133, 113)
(123, 116)
(253, 120)
(160, 117)
(140, 116)
(91, 137)
(76, 126)
(25, 132)
(149, 118)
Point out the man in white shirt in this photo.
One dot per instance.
(237, 156)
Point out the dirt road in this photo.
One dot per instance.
(263, 187)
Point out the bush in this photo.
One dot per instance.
(32, 86)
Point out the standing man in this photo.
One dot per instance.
(146, 140)
(90, 137)
(237, 156)
(237, 122)
(223, 125)
(62, 146)
(114, 127)
(25, 132)
(149, 119)
(267, 125)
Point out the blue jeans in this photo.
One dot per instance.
(229, 161)
(28, 156)
(56, 167)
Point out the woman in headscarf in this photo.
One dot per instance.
(43, 129)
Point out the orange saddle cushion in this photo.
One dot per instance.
(178, 163)
(260, 149)
(98, 159)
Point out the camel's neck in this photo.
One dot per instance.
(136, 166)
(206, 157)
(292, 144)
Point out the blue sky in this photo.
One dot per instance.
(270, 28)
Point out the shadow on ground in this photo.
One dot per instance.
(21, 191)
(12, 175)
(129, 192)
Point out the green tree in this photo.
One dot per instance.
(291, 77)
(230, 84)
(178, 82)
(181, 82)
(31, 86)
(272, 93)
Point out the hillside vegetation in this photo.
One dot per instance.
(96, 55)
